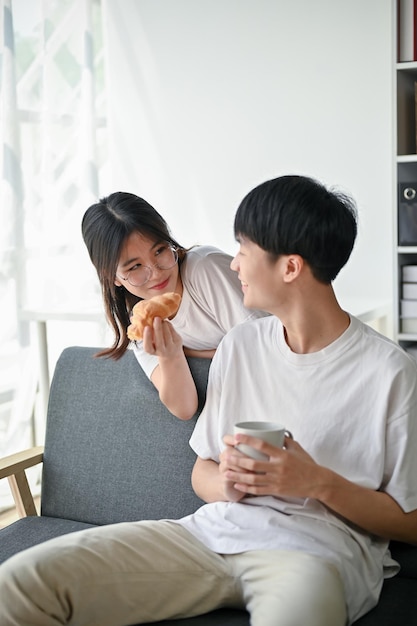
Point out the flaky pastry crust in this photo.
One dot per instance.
(145, 311)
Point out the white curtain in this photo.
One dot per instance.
(53, 155)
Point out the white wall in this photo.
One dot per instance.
(211, 97)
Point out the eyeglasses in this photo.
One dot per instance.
(140, 274)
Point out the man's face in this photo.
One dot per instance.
(260, 277)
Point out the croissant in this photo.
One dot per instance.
(145, 311)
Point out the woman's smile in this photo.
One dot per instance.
(160, 286)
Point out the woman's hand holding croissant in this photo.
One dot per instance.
(145, 311)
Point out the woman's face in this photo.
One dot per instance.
(138, 251)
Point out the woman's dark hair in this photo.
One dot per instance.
(105, 227)
(298, 215)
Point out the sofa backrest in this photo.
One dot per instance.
(113, 452)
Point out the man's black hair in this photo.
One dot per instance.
(299, 215)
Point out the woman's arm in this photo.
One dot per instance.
(172, 377)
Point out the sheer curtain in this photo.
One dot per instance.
(53, 156)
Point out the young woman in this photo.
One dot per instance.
(136, 258)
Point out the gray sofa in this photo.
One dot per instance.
(114, 453)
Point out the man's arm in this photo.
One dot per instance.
(374, 511)
(209, 481)
(292, 473)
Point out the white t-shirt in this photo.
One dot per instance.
(352, 406)
(211, 304)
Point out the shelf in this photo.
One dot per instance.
(407, 249)
(407, 158)
(405, 173)
(407, 66)
(407, 337)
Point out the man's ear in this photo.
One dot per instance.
(293, 266)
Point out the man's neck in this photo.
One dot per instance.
(313, 326)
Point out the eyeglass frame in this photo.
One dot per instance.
(150, 268)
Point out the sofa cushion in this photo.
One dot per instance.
(406, 555)
(29, 531)
(397, 605)
(222, 617)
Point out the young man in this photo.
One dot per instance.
(302, 537)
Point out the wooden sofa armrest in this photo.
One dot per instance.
(13, 468)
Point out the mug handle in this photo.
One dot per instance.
(288, 433)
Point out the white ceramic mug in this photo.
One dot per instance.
(272, 432)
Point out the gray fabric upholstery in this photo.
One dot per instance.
(113, 453)
(30, 531)
(222, 617)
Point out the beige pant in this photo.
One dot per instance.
(149, 571)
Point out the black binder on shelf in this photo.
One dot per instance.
(407, 214)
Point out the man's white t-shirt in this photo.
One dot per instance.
(211, 304)
(352, 406)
